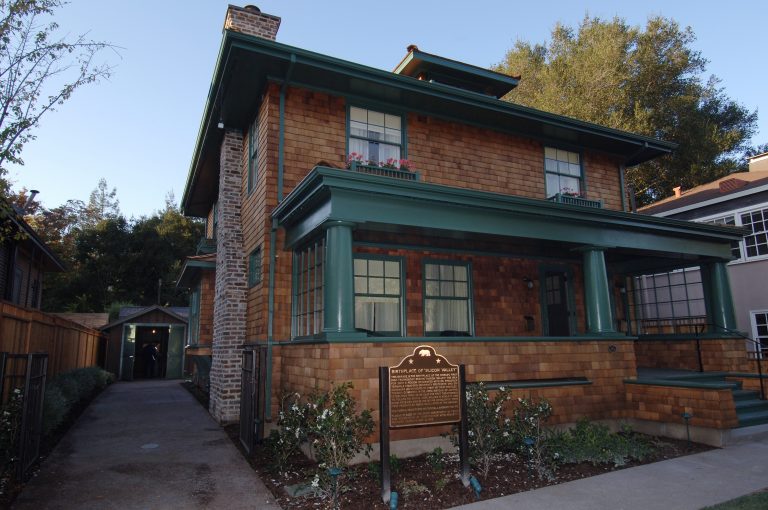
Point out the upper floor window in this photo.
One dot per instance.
(254, 267)
(754, 245)
(378, 295)
(447, 307)
(253, 151)
(563, 172)
(377, 136)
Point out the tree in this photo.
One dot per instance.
(39, 70)
(646, 81)
(102, 204)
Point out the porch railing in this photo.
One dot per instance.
(395, 173)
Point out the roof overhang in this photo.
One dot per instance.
(247, 63)
(191, 271)
(371, 201)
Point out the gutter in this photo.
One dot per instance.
(273, 242)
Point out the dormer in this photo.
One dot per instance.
(435, 69)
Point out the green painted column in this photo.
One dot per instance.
(339, 290)
(719, 300)
(597, 293)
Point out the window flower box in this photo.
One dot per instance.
(575, 199)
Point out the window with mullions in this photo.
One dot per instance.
(378, 295)
(253, 150)
(728, 220)
(563, 171)
(760, 330)
(377, 136)
(676, 297)
(447, 304)
(308, 290)
(194, 316)
(756, 243)
(254, 267)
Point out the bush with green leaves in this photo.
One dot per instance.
(596, 444)
(67, 389)
(10, 427)
(292, 431)
(530, 435)
(488, 428)
(337, 433)
(55, 409)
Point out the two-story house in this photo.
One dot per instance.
(503, 240)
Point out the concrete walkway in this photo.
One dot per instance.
(685, 483)
(145, 445)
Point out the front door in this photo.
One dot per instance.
(556, 303)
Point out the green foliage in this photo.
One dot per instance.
(67, 389)
(489, 430)
(37, 58)
(337, 433)
(292, 431)
(394, 464)
(10, 427)
(594, 443)
(649, 81)
(435, 460)
(529, 418)
(55, 409)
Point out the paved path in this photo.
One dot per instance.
(145, 445)
(685, 483)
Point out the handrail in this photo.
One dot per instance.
(758, 352)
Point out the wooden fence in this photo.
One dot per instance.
(69, 345)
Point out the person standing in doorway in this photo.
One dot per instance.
(149, 354)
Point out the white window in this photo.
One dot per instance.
(728, 220)
(760, 329)
(754, 246)
(447, 299)
(378, 295)
(375, 135)
(563, 171)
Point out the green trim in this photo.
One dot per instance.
(687, 337)
(415, 340)
(253, 154)
(570, 296)
(333, 194)
(745, 375)
(623, 187)
(681, 384)
(538, 383)
(461, 251)
(403, 295)
(469, 298)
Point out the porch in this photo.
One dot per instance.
(537, 295)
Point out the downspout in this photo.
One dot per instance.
(273, 242)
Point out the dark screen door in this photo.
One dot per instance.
(556, 296)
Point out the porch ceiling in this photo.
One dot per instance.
(381, 203)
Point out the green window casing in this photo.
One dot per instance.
(563, 172)
(376, 136)
(308, 284)
(194, 316)
(447, 299)
(254, 267)
(379, 295)
(253, 151)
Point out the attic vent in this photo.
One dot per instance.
(729, 185)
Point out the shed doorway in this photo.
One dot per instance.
(153, 351)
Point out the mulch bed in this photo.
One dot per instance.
(419, 486)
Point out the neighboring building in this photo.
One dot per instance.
(740, 200)
(24, 259)
(504, 241)
(147, 342)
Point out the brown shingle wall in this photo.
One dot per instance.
(727, 354)
(710, 408)
(207, 293)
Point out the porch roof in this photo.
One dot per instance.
(382, 203)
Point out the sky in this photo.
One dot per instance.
(138, 128)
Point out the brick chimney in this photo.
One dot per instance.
(678, 191)
(250, 20)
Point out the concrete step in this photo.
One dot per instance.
(753, 418)
(748, 406)
(745, 395)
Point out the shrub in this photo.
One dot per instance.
(10, 425)
(55, 409)
(337, 433)
(594, 443)
(283, 443)
(69, 387)
(488, 429)
(529, 418)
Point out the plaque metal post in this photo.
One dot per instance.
(463, 429)
(384, 433)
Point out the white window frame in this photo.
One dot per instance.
(755, 336)
(736, 213)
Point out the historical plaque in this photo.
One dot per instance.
(424, 389)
